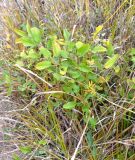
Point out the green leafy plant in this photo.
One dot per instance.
(95, 71)
(74, 65)
(30, 38)
(76, 77)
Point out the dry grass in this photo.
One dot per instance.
(51, 132)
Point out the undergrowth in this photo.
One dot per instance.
(71, 66)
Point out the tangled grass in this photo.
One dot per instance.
(44, 127)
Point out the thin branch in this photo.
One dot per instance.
(32, 73)
(80, 141)
(129, 110)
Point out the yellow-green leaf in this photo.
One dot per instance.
(20, 32)
(83, 49)
(98, 29)
(69, 105)
(111, 61)
(117, 69)
(36, 34)
(26, 41)
(28, 29)
(66, 34)
(99, 49)
(63, 70)
(133, 80)
(23, 55)
(45, 52)
(79, 44)
(56, 49)
(25, 149)
(43, 65)
(32, 54)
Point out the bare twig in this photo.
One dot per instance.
(80, 141)
(127, 109)
(25, 108)
(32, 73)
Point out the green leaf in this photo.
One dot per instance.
(70, 46)
(23, 55)
(84, 68)
(16, 157)
(97, 61)
(23, 87)
(25, 149)
(76, 88)
(32, 54)
(98, 29)
(1, 63)
(117, 69)
(133, 80)
(90, 139)
(111, 61)
(69, 105)
(85, 109)
(110, 48)
(94, 152)
(68, 88)
(92, 76)
(36, 34)
(7, 77)
(99, 49)
(64, 54)
(75, 74)
(133, 60)
(63, 70)
(45, 52)
(132, 51)
(56, 49)
(26, 41)
(66, 34)
(79, 44)
(57, 76)
(20, 32)
(85, 48)
(43, 65)
(42, 142)
(28, 29)
(93, 122)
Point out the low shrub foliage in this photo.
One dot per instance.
(72, 78)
